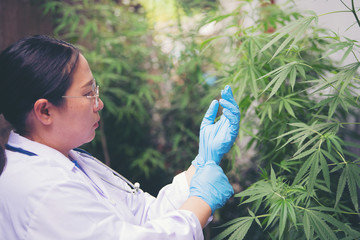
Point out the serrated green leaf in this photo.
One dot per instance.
(234, 221)
(304, 154)
(341, 185)
(340, 225)
(278, 81)
(352, 186)
(273, 178)
(229, 230)
(307, 226)
(314, 141)
(291, 212)
(313, 172)
(346, 54)
(253, 215)
(275, 209)
(335, 142)
(294, 30)
(283, 217)
(281, 104)
(324, 169)
(292, 102)
(303, 169)
(240, 233)
(239, 228)
(289, 109)
(329, 156)
(321, 228)
(269, 111)
(255, 197)
(292, 77)
(301, 70)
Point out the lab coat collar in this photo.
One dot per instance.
(89, 172)
(45, 152)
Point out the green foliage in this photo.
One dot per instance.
(301, 105)
(190, 6)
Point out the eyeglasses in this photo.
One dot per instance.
(95, 92)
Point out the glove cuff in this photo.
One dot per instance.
(198, 162)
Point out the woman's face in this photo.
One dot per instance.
(78, 117)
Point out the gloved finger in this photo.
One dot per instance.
(234, 121)
(233, 118)
(228, 95)
(233, 109)
(210, 114)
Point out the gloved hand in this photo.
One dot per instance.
(217, 139)
(211, 184)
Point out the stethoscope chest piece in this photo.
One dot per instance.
(136, 188)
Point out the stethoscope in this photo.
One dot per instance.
(135, 187)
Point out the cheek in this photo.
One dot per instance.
(80, 114)
(82, 110)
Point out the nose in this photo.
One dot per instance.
(100, 107)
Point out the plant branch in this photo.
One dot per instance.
(342, 158)
(342, 11)
(355, 56)
(354, 12)
(345, 5)
(352, 9)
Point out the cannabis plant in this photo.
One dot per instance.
(300, 111)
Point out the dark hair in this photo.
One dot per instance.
(32, 68)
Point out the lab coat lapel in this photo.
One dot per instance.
(94, 178)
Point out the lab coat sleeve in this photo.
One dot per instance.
(170, 198)
(70, 211)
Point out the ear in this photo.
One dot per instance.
(43, 110)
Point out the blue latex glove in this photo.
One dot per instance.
(211, 184)
(216, 139)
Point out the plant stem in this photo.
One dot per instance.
(342, 11)
(345, 5)
(341, 157)
(354, 12)
(352, 9)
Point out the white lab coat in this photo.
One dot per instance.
(46, 196)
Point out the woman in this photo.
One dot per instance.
(51, 190)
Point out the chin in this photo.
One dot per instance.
(92, 136)
(87, 140)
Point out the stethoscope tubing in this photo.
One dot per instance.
(135, 186)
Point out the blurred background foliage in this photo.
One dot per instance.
(160, 63)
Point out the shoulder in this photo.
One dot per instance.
(30, 177)
(27, 183)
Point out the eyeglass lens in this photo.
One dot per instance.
(97, 97)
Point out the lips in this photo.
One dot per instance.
(97, 122)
